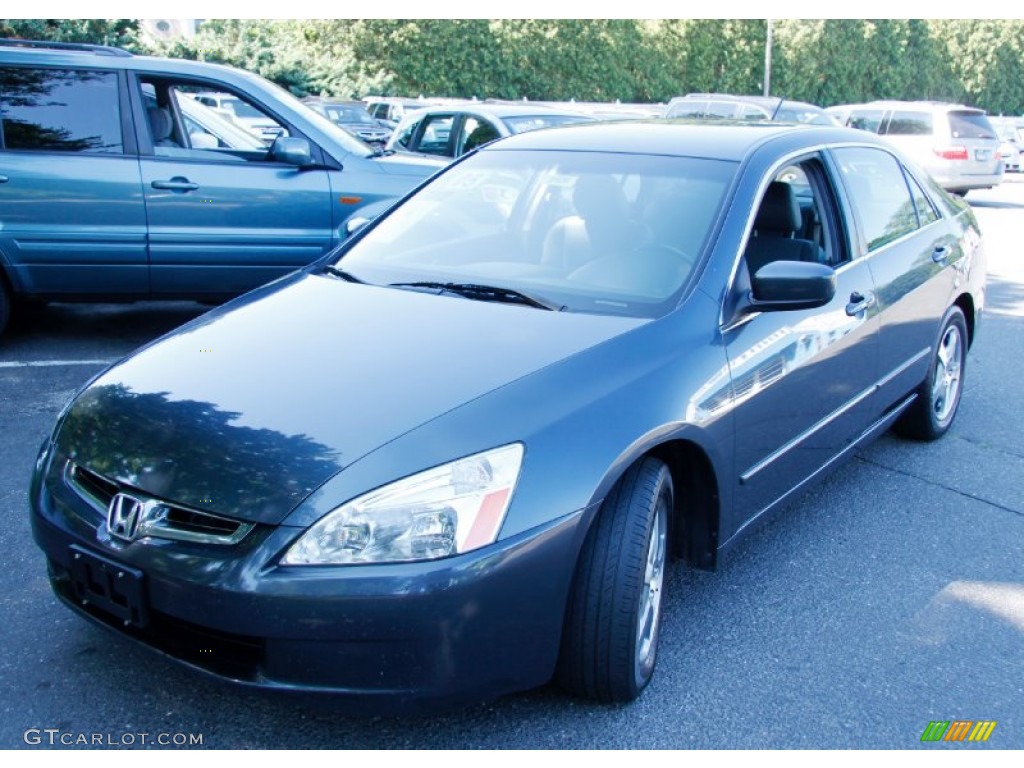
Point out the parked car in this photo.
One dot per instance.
(389, 110)
(1011, 141)
(956, 144)
(353, 117)
(108, 192)
(451, 131)
(259, 124)
(454, 458)
(208, 128)
(727, 106)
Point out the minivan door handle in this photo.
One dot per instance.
(178, 184)
(860, 302)
(940, 254)
(3, 179)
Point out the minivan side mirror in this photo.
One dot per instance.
(788, 285)
(293, 151)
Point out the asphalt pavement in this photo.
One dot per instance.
(888, 596)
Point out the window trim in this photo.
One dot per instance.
(169, 80)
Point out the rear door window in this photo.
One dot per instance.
(903, 123)
(879, 193)
(60, 110)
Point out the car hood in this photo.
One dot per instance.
(247, 409)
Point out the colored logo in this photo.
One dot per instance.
(958, 730)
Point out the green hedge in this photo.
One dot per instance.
(822, 61)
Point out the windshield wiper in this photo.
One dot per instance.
(486, 293)
(330, 269)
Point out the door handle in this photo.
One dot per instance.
(860, 302)
(3, 179)
(178, 184)
(940, 254)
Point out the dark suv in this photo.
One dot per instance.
(109, 192)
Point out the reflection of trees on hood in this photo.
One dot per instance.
(190, 452)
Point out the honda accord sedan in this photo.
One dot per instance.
(454, 458)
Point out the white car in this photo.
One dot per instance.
(954, 143)
(245, 115)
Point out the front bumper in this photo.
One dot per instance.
(388, 638)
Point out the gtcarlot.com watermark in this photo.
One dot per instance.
(55, 737)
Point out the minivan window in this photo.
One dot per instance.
(721, 109)
(910, 124)
(970, 125)
(866, 119)
(60, 110)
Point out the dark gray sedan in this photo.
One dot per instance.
(454, 458)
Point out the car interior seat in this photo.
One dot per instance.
(602, 225)
(161, 126)
(778, 219)
(482, 134)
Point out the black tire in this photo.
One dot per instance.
(938, 398)
(610, 637)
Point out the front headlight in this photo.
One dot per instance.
(448, 510)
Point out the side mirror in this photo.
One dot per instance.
(356, 223)
(788, 285)
(293, 151)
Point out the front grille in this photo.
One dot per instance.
(168, 521)
(93, 487)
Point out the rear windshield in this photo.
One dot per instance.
(970, 125)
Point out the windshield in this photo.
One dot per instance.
(240, 109)
(593, 232)
(349, 115)
(338, 135)
(803, 114)
(533, 122)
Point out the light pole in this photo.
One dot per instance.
(768, 61)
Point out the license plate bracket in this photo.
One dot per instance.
(109, 586)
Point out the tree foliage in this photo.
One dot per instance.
(123, 33)
(822, 61)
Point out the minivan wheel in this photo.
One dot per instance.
(610, 637)
(938, 397)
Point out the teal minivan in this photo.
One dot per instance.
(109, 193)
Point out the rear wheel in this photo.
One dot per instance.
(938, 397)
(610, 638)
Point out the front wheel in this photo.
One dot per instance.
(938, 397)
(610, 638)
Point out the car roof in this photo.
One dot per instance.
(107, 57)
(499, 111)
(682, 138)
(922, 105)
(761, 101)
